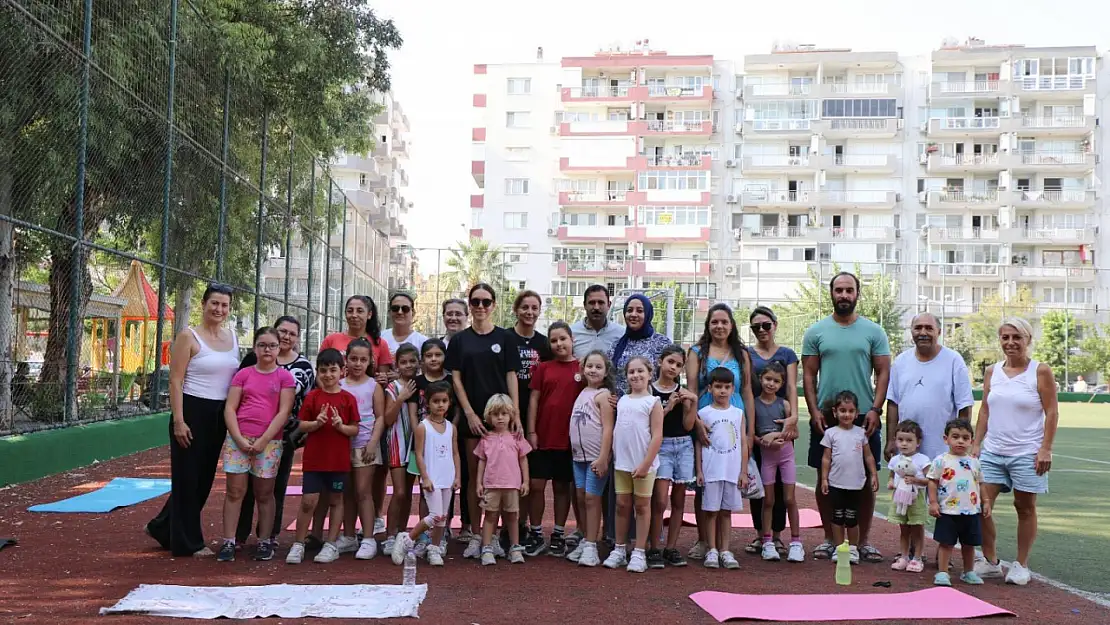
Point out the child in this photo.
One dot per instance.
(844, 470)
(555, 386)
(258, 405)
(437, 455)
(329, 415)
(365, 449)
(591, 439)
(907, 472)
(637, 436)
(502, 477)
(771, 411)
(955, 503)
(723, 469)
(432, 354)
(677, 457)
(400, 421)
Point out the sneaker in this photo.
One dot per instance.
(296, 554)
(575, 539)
(655, 559)
(367, 549)
(1018, 575)
(421, 546)
(576, 554)
(638, 562)
(729, 561)
(558, 545)
(617, 558)
(942, 579)
(535, 544)
(853, 554)
(346, 544)
(589, 555)
(769, 552)
(387, 546)
(227, 552)
(673, 557)
(498, 550)
(435, 557)
(379, 525)
(697, 552)
(712, 559)
(473, 548)
(328, 553)
(986, 570)
(464, 536)
(901, 563)
(797, 553)
(516, 554)
(915, 566)
(969, 577)
(264, 552)
(487, 556)
(401, 545)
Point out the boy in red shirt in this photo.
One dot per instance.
(330, 416)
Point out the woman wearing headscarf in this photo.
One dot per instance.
(640, 338)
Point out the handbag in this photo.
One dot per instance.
(754, 489)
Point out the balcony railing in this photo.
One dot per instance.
(597, 265)
(965, 123)
(673, 125)
(675, 90)
(856, 88)
(776, 197)
(599, 91)
(1052, 83)
(1084, 271)
(1055, 196)
(965, 87)
(1059, 234)
(772, 125)
(874, 232)
(857, 197)
(1077, 121)
(963, 160)
(600, 197)
(1054, 158)
(966, 197)
(861, 160)
(964, 234)
(776, 160)
(675, 160)
(862, 125)
(967, 269)
(775, 232)
(779, 89)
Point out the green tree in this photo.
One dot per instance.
(473, 262)
(982, 326)
(1059, 338)
(564, 307)
(1094, 356)
(683, 313)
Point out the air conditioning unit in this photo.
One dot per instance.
(552, 232)
(922, 196)
(730, 163)
(738, 233)
(730, 270)
(731, 199)
(924, 159)
(740, 127)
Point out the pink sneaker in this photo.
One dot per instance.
(900, 563)
(915, 566)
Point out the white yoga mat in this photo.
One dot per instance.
(277, 600)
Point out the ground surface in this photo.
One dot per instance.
(68, 566)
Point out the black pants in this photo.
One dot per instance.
(281, 483)
(464, 483)
(778, 511)
(192, 470)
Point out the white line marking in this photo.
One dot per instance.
(1081, 459)
(1078, 471)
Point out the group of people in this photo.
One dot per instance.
(485, 417)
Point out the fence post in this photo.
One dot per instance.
(327, 256)
(288, 223)
(343, 251)
(261, 217)
(163, 257)
(311, 254)
(224, 148)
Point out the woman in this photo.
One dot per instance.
(202, 362)
(362, 322)
(764, 324)
(290, 359)
(401, 311)
(1013, 439)
(454, 318)
(454, 321)
(483, 361)
(640, 338)
(719, 346)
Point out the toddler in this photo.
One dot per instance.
(502, 477)
(907, 505)
(955, 502)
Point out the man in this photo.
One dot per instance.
(929, 385)
(595, 331)
(1080, 385)
(841, 352)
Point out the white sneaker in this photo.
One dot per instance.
(589, 555)
(986, 570)
(487, 556)
(729, 561)
(347, 544)
(387, 546)
(853, 554)
(769, 552)
(617, 558)
(473, 548)
(576, 554)
(367, 549)
(1018, 575)
(516, 555)
(379, 525)
(434, 555)
(712, 559)
(401, 545)
(296, 554)
(638, 562)
(328, 553)
(797, 553)
(697, 552)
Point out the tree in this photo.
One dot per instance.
(564, 307)
(473, 262)
(1059, 338)
(683, 313)
(982, 326)
(1094, 356)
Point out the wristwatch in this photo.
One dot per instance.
(878, 411)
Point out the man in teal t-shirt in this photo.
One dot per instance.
(840, 353)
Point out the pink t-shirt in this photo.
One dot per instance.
(364, 393)
(261, 397)
(502, 453)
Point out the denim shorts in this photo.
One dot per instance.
(585, 478)
(1013, 473)
(676, 460)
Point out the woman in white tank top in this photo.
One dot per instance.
(202, 362)
(1013, 439)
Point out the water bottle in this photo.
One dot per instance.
(409, 576)
(843, 564)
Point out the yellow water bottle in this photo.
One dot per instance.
(844, 564)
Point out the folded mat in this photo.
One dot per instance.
(807, 517)
(277, 600)
(932, 603)
(296, 491)
(120, 492)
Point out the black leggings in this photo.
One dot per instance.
(281, 483)
(778, 511)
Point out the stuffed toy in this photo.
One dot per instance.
(904, 494)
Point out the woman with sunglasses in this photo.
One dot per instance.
(763, 324)
(401, 309)
(483, 360)
(361, 314)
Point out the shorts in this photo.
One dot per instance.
(916, 514)
(263, 465)
(438, 502)
(965, 529)
(816, 451)
(625, 484)
(358, 463)
(778, 462)
(585, 479)
(721, 495)
(676, 460)
(395, 460)
(501, 500)
(412, 468)
(314, 482)
(1013, 473)
(845, 505)
(551, 464)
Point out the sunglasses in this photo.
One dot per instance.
(400, 308)
(481, 303)
(765, 326)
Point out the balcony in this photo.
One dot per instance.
(847, 89)
(958, 199)
(660, 127)
(592, 233)
(1057, 126)
(670, 197)
(858, 199)
(859, 128)
(612, 268)
(776, 128)
(967, 89)
(1054, 198)
(686, 161)
(962, 127)
(865, 234)
(679, 93)
(598, 128)
(962, 235)
(859, 163)
(1053, 162)
(1053, 236)
(768, 234)
(1054, 87)
(964, 163)
(668, 233)
(597, 164)
(775, 198)
(671, 267)
(966, 271)
(1074, 273)
(779, 164)
(598, 93)
(778, 90)
(593, 198)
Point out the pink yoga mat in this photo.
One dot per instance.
(456, 523)
(807, 517)
(932, 603)
(295, 491)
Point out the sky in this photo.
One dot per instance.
(432, 74)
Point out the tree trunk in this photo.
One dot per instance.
(53, 377)
(182, 308)
(7, 287)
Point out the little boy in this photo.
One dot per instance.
(329, 415)
(955, 502)
(723, 469)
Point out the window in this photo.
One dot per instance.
(772, 253)
(362, 180)
(672, 215)
(674, 180)
(520, 86)
(920, 185)
(516, 186)
(573, 288)
(517, 119)
(517, 154)
(514, 258)
(575, 257)
(516, 221)
(860, 107)
(1059, 258)
(579, 219)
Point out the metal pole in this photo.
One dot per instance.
(288, 223)
(439, 295)
(943, 301)
(343, 251)
(327, 258)
(166, 184)
(311, 254)
(222, 227)
(1067, 328)
(261, 217)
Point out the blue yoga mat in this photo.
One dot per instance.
(120, 492)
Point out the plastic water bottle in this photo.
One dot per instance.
(843, 564)
(409, 576)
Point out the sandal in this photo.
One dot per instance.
(755, 546)
(870, 554)
(779, 547)
(824, 551)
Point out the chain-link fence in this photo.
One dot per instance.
(138, 163)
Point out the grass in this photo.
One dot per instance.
(1073, 540)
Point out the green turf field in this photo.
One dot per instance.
(1073, 541)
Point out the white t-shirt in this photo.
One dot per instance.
(930, 393)
(415, 338)
(721, 460)
(919, 461)
(847, 470)
(632, 432)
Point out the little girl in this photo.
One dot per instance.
(437, 455)
(258, 405)
(637, 436)
(432, 354)
(771, 411)
(907, 474)
(844, 470)
(502, 477)
(591, 439)
(400, 421)
(677, 457)
(365, 449)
